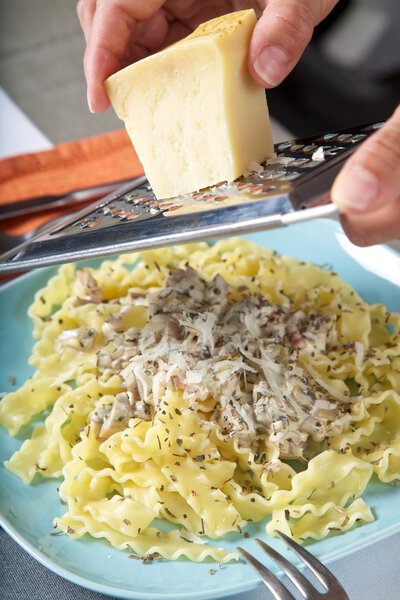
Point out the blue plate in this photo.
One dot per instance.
(27, 512)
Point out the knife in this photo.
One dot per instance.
(37, 204)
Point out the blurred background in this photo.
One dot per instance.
(349, 75)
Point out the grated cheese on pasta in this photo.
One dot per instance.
(177, 383)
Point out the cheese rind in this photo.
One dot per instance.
(193, 111)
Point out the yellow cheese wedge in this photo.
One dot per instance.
(192, 111)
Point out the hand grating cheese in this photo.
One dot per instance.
(193, 111)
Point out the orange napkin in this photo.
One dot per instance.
(70, 166)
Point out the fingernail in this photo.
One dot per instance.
(358, 189)
(272, 64)
(89, 103)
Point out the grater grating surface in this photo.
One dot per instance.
(292, 186)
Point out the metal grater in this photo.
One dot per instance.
(291, 187)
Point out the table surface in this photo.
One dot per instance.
(368, 574)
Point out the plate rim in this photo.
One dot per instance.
(111, 591)
(124, 594)
(251, 582)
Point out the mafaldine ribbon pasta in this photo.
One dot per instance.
(207, 386)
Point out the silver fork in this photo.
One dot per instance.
(334, 591)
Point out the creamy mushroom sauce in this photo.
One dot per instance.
(239, 360)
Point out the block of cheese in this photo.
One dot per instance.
(193, 112)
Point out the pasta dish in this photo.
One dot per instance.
(187, 391)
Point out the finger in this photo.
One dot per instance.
(176, 32)
(380, 226)
(280, 36)
(86, 10)
(112, 28)
(187, 10)
(370, 180)
(152, 32)
(134, 53)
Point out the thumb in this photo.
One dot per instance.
(281, 35)
(367, 190)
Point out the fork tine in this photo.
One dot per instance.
(299, 580)
(277, 589)
(327, 579)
